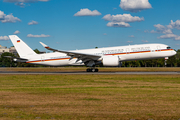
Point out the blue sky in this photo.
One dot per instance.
(81, 24)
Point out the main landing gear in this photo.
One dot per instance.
(92, 70)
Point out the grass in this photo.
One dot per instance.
(86, 97)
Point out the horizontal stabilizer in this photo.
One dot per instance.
(16, 59)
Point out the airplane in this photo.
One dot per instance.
(108, 56)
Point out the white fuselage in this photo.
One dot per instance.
(125, 53)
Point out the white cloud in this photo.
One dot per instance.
(167, 36)
(2, 15)
(17, 32)
(107, 17)
(44, 0)
(87, 12)
(105, 34)
(161, 29)
(174, 24)
(146, 31)
(33, 22)
(167, 30)
(11, 1)
(153, 31)
(120, 20)
(129, 41)
(170, 36)
(132, 36)
(177, 37)
(8, 18)
(145, 41)
(4, 38)
(123, 18)
(20, 4)
(135, 5)
(24, 1)
(118, 24)
(37, 36)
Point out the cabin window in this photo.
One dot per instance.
(168, 47)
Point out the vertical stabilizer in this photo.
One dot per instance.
(22, 48)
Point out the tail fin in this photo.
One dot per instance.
(22, 48)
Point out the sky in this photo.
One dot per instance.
(84, 24)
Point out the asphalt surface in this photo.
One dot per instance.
(79, 73)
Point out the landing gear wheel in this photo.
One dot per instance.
(88, 70)
(92, 70)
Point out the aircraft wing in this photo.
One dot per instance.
(81, 56)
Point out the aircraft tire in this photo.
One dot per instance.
(93, 70)
(96, 70)
(89, 70)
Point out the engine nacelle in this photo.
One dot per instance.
(111, 61)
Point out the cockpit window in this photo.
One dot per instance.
(168, 47)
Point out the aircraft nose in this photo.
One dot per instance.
(174, 52)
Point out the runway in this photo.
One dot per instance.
(81, 73)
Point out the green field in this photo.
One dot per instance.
(86, 97)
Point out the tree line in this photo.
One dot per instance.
(173, 61)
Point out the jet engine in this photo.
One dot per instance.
(111, 61)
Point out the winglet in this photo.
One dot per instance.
(44, 45)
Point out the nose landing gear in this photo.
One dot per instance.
(92, 70)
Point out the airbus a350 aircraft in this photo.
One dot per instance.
(109, 56)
